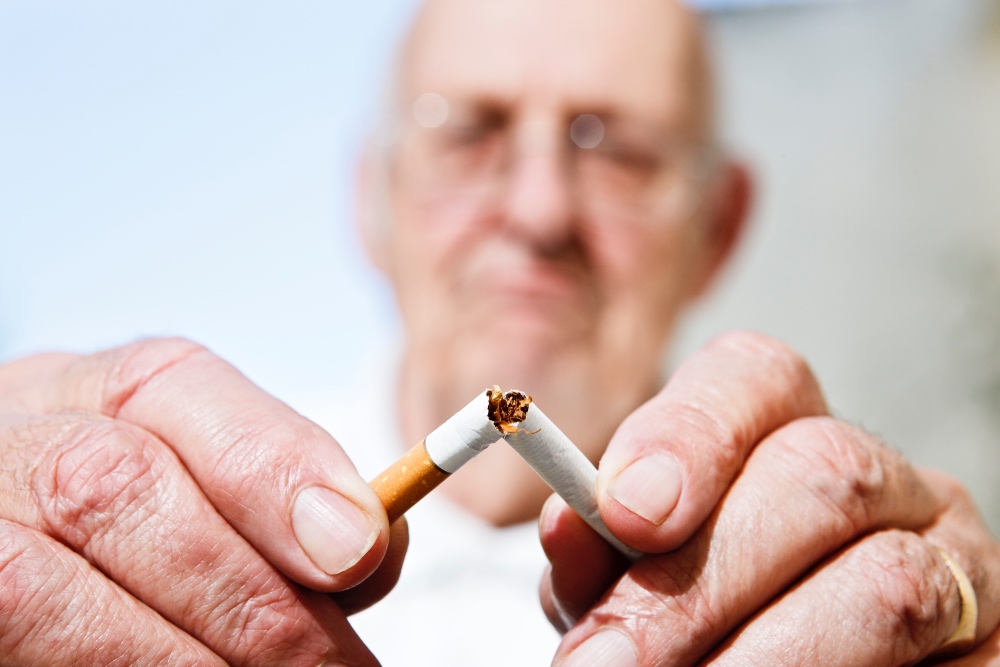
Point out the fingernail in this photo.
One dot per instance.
(649, 487)
(608, 648)
(333, 531)
(568, 619)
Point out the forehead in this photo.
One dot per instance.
(635, 57)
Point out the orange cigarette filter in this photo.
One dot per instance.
(407, 480)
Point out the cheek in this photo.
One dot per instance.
(652, 265)
(431, 245)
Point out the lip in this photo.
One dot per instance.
(534, 285)
(537, 287)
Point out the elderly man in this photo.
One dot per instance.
(555, 165)
(546, 203)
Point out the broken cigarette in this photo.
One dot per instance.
(565, 469)
(497, 415)
(445, 450)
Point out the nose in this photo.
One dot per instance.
(539, 199)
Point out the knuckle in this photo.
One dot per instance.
(101, 471)
(848, 470)
(53, 610)
(910, 591)
(710, 426)
(15, 551)
(24, 578)
(956, 494)
(268, 620)
(15, 584)
(136, 364)
(779, 363)
(776, 353)
(672, 590)
(265, 452)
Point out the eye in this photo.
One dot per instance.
(473, 127)
(630, 155)
(617, 146)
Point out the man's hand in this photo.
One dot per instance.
(157, 507)
(778, 535)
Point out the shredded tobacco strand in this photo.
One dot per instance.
(506, 410)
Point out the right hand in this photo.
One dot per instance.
(774, 533)
(157, 507)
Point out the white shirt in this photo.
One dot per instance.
(468, 592)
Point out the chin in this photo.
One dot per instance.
(537, 332)
(536, 322)
(522, 354)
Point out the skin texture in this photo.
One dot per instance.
(819, 552)
(154, 504)
(146, 516)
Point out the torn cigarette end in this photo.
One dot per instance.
(471, 430)
(407, 480)
(507, 410)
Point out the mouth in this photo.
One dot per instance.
(533, 285)
(543, 293)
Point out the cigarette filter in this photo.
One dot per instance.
(445, 450)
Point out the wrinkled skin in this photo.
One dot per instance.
(788, 537)
(146, 517)
(151, 497)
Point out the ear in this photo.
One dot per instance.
(728, 213)
(371, 193)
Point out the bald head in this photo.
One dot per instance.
(648, 56)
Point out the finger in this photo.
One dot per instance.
(986, 654)
(889, 599)
(961, 532)
(893, 590)
(20, 388)
(57, 610)
(276, 477)
(670, 462)
(121, 498)
(583, 564)
(550, 607)
(384, 579)
(809, 489)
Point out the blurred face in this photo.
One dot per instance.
(546, 221)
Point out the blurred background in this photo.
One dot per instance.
(186, 168)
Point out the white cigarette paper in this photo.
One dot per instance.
(457, 441)
(565, 469)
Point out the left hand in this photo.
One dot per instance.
(158, 508)
(777, 535)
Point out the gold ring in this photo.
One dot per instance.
(964, 636)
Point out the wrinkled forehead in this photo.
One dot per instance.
(640, 58)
